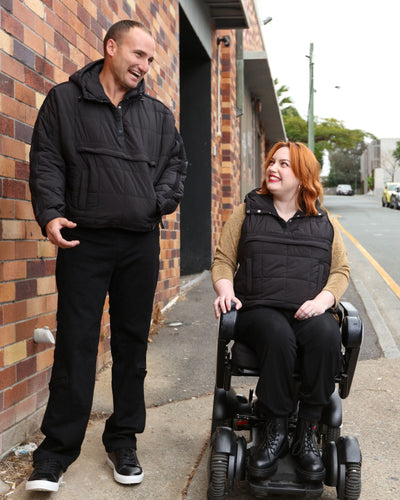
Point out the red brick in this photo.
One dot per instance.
(22, 172)
(23, 210)
(6, 126)
(7, 208)
(14, 149)
(50, 267)
(26, 369)
(25, 94)
(45, 30)
(6, 85)
(7, 377)
(12, 67)
(25, 408)
(61, 44)
(38, 381)
(23, 132)
(7, 5)
(25, 249)
(7, 334)
(36, 268)
(24, 54)
(14, 312)
(33, 231)
(68, 66)
(34, 80)
(7, 419)
(35, 42)
(31, 115)
(24, 14)
(83, 15)
(14, 189)
(33, 349)
(44, 68)
(15, 269)
(25, 289)
(15, 394)
(42, 397)
(7, 167)
(12, 26)
(7, 291)
(7, 249)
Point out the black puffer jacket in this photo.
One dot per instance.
(282, 264)
(102, 166)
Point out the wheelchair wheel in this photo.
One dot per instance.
(332, 434)
(218, 473)
(349, 481)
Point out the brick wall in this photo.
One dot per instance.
(226, 164)
(41, 44)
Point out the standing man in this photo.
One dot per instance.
(106, 164)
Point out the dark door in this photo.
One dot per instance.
(195, 127)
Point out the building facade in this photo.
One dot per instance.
(210, 69)
(378, 162)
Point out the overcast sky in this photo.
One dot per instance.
(356, 47)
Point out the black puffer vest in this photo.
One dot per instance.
(281, 264)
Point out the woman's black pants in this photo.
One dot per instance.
(277, 339)
(125, 264)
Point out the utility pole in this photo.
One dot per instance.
(311, 141)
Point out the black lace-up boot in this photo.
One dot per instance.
(263, 460)
(306, 453)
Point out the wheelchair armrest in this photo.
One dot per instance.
(352, 330)
(227, 323)
(226, 332)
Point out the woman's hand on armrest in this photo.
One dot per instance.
(225, 296)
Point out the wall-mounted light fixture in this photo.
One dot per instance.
(225, 40)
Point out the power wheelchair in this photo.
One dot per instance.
(236, 423)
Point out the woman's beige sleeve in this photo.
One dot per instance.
(339, 276)
(225, 260)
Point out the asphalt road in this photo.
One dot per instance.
(375, 227)
(372, 237)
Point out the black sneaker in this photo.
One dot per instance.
(46, 476)
(126, 466)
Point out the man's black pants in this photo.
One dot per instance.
(125, 264)
(278, 339)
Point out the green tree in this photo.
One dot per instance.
(396, 152)
(345, 167)
(285, 102)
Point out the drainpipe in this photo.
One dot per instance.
(226, 41)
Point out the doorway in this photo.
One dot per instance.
(195, 128)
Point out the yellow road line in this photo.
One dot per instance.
(388, 279)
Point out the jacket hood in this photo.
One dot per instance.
(87, 79)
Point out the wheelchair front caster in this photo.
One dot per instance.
(343, 465)
(227, 462)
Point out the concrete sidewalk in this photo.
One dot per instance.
(174, 450)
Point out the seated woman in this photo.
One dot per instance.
(282, 261)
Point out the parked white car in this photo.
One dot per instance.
(344, 189)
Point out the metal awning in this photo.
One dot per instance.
(228, 14)
(258, 80)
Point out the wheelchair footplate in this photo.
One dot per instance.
(285, 482)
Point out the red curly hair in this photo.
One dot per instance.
(306, 168)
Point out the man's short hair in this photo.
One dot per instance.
(116, 31)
